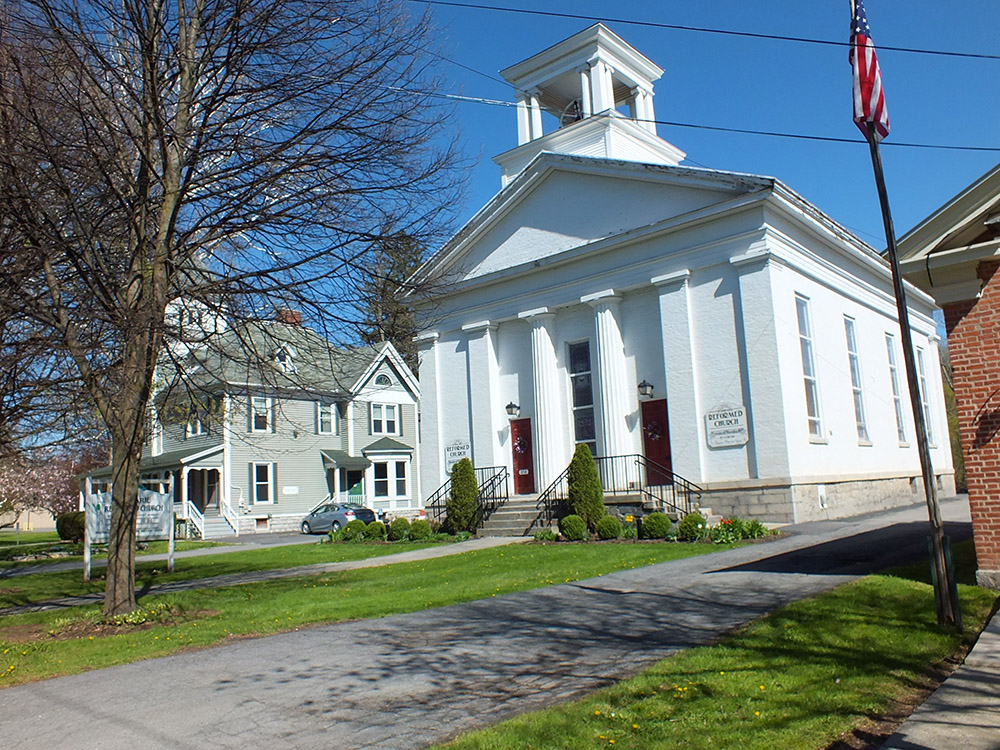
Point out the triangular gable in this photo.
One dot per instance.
(560, 202)
(387, 354)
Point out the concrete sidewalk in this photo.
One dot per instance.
(964, 712)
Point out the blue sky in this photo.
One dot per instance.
(766, 85)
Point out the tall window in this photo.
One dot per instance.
(924, 399)
(583, 395)
(856, 383)
(384, 419)
(808, 367)
(263, 482)
(326, 419)
(262, 414)
(897, 399)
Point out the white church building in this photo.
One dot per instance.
(702, 325)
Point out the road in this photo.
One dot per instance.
(411, 680)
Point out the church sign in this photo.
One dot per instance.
(155, 516)
(726, 426)
(455, 451)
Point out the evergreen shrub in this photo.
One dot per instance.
(70, 526)
(692, 527)
(573, 527)
(354, 530)
(375, 531)
(609, 527)
(461, 503)
(586, 496)
(420, 530)
(399, 529)
(656, 526)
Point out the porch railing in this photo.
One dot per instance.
(494, 490)
(196, 517)
(229, 514)
(631, 474)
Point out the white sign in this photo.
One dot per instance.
(455, 451)
(155, 516)
(290, 489)
(726, 426)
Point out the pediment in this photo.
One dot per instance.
(549, 211)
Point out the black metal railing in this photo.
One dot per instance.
(494, 490)
(631, 474)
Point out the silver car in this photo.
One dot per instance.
(334, 516)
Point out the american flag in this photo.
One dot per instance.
(869, 101)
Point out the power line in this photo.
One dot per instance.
(702, 29)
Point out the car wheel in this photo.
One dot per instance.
(335, 527)
(306, 528)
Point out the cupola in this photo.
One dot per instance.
(593, 93)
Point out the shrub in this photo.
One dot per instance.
(756, 530)
(70, 526)
(573, 527)
(354, 530)
(420, 530)
(656, 526)
(630, 532)
(692, 527)
(545, 535)
(726, 531)
(375, 531)
(399, 529)
(586, 497)
(609, 527)
(461, 503)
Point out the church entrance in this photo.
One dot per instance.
(656, 441)
(524, 462)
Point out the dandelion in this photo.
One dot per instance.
(756, 713)
(761, 687)
(597, 713)
(635, 726)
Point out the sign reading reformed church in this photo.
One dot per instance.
(155, 516)
(455, 451)
(726, 426)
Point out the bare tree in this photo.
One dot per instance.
(242, 153)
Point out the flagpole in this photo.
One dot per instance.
(945, 592)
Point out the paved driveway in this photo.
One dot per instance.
(410, 680)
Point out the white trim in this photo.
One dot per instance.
(326, 409)
(269, 411)
(271, 483)
(384, 418)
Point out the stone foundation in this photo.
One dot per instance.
(797, 503)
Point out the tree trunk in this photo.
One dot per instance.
(119, 589)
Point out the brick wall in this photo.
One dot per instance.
(974, 344)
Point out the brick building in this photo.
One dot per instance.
(954, 255)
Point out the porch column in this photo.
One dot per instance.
(612, 382)
(547, 425)
(687, 437)
(768, 453)
(484, 389)
(184, 490)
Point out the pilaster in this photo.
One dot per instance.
(613, 388)
(547, 422)
(432, 450)
(484, 387)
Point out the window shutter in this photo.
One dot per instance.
(399, 418)
(371, 417)
(251, 488)
(274, 483)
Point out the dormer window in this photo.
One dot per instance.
(195, 426)
(284, 358)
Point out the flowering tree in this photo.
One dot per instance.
(34, 486)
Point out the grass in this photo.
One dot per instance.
(39, 587)
(45, 644)
(800, 678)
(8, 552)
(9, 538)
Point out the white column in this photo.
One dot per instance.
(768, 449)
(484, 393)
(644, 107)
(601, 86)
(551, 449)
(432, 450)
(613, 387)
(535, 111)
(585, 105)
(523, 120)
(687, 436)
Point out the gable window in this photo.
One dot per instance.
(897, 399)
(584, 430)
(385, 419)
(263, 482)
(284, 358)
(924, 399)
(261, 414)
(326, 419)
(383, 380)
(854, 361)
(808, 367)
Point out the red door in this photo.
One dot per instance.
(524, 463)
(656, 440)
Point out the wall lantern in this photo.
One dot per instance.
(645, 388)
(513, 410)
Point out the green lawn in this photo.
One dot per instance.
(40, 645)
(10, 551)
(796, 679)
(9, 538)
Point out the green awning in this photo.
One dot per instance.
(340, 459)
